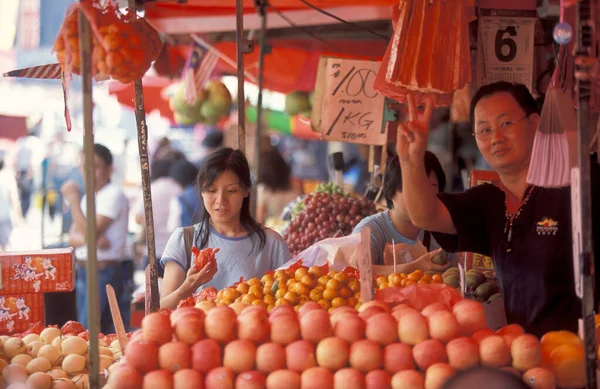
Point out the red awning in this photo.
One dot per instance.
(154, 95)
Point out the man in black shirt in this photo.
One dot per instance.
(525, 229)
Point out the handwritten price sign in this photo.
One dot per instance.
(352, 109)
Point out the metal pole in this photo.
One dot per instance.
(240, 41)
(152, 295)
(583, 16)
(93, 300)
(262, 10)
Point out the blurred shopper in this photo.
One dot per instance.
(28, 160)
(274, 190)
(186, 208)
(112, 216)
(212, 141)
(164, 189)
(10, 207)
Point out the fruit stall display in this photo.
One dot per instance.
(373, 347)
(325, 213)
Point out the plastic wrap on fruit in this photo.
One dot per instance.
(419, 296)
(165, 311)
(72, 328)
(206, 294)
(187, 302)
(202, 257)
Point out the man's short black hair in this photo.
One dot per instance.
(104, 153)
(213, 139)
(392, 181)
(518, 91)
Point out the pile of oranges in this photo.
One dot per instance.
(295, 287)
(403, 279)
(122, 50)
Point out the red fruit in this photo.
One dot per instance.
(270, 357)
(315, 326)
(142, 355)
(126, 373)
(188, 379)
(157, 328)
(174, 356)
(378, 379)
(283, 379)
(189, 328)
(316, 378)
(250, 380)
(300, 355)
(158, 379)
(206, 355)
(219, 378)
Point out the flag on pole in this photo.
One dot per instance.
(51, 71)
(199, 67)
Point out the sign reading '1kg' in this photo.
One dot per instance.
(352, 109)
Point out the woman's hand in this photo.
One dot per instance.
(424, 262)
(196, 278)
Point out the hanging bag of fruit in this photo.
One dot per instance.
(123, 47)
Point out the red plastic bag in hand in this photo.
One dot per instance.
(419, 296)
(187, 302)
(72, 328)
(206, 294)
(202, 257)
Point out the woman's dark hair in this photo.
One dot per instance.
(274, 171)
(184, 172)
(160, 168)
(215, 164)
(392, 181)
(518, 91)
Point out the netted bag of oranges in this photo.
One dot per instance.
(122, 47)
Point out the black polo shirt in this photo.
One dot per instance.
(536, 275)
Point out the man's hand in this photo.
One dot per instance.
(70, 192)
(411, 142)
(424, 262)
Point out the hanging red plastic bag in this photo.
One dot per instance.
(419, 296)
(122, 47)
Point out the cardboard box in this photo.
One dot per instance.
(42, 271)
(19, 311)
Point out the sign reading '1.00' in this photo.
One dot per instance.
(352, 109)
(505, 46)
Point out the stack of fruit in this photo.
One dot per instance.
(403, 279)
(481, 285)
(322, 215)
(53, 358)
(299, 103)
(295, 287)
(122, 50)
(212, 104)
(374, 347)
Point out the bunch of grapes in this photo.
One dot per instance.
(323, 216)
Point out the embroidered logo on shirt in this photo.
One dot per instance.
(547, 226)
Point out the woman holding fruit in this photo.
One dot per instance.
(246, 249)
(393, 226)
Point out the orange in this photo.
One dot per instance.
(354, 284)
(437, 278)
(330, 294)
(220, 294)
(414, 276)
(567, 362)
(266, 290)
(316, 294)
(553, 339)
(270, 307)
(426, 278)
(301, 288)
(307, 280)
(410, 282)
(404, 281)
(256, 290)
(384, 285)
(269, 299)
(291, 297)
(300, 272)
(422, 281)
(282, 302)
(394, 279)
(253, 281)
(332, 273)
(352, 301)
(280, 293)
(325, 303)
(597, 320)
(290, 282)
(267, 278)
(344, 292)
(303, 299)
(403, 275)
(259, 302)
(230, 294)
(315, 271)
(248, 298)
(320, 287)
(279, 274)
(341, 277)
(323, 280)
(338, 302)
(333, 284)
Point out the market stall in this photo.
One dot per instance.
(329, 318)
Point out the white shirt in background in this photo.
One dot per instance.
(112, 203)
(164, 191)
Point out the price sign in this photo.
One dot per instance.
(505, 46)
(352, 110)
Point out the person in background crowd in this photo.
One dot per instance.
(394, 225)
(274, 189)
(211, 142)
(112, 216)
(164, 189)
(10, 207)
(164, 146)
(525, 229)
(247, 249)
(29, 156)
(186, 208)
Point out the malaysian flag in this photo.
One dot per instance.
(199, 67)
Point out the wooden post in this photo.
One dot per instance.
(93, 300)
(240, 41)
(584, 242)
(152, 295)
(259, 109)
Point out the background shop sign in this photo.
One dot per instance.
(351, 110)
(506, 46)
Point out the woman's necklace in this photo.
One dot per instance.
(510, 218)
